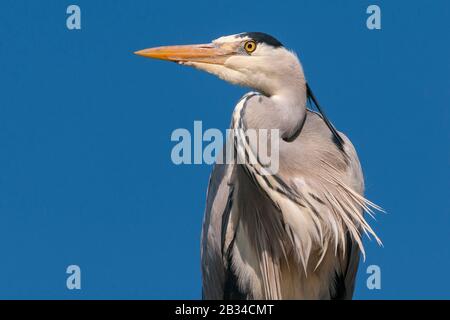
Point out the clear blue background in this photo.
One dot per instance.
(85, 170)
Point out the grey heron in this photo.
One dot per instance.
(294, 234)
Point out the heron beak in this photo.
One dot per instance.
(200, 53)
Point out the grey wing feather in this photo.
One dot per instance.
(345, 278)
(213, 268)
(345, 282)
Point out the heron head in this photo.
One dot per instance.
(251, 59)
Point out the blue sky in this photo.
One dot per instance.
(85, 171)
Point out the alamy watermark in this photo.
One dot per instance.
(258, 147)
(373, 281)
(73, 21)
(73, 281)
(374, 20)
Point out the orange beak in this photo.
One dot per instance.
(201, 53)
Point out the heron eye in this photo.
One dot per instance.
(250, 46)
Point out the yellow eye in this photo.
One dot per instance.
(250, 46)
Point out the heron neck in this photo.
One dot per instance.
(290, 106)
